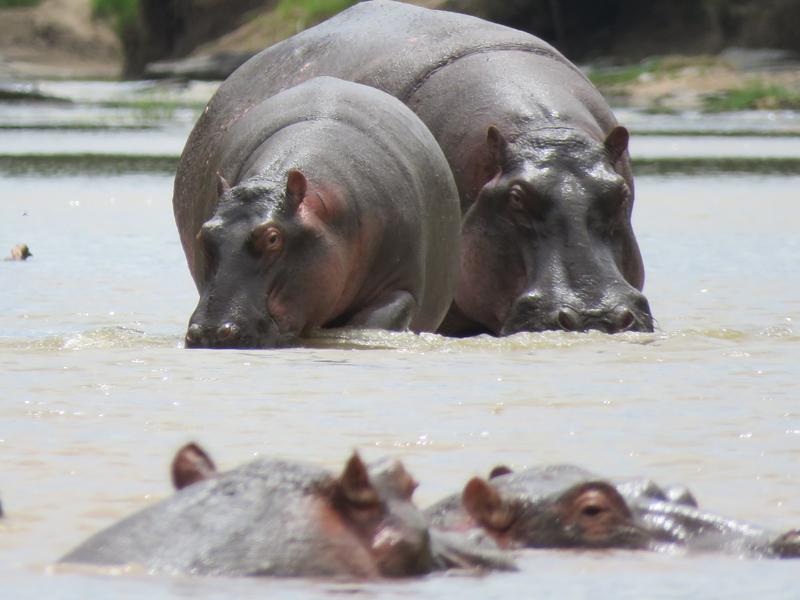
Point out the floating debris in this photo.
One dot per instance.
(20, 252)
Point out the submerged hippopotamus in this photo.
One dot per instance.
(565, 506)
(283, 518)
(329, 204)
(541, 164)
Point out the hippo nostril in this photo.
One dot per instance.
(193, 335)
(228, 331)
(568, 319)
(625, 320)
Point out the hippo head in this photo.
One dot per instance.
(376, 503)
(254, 249)
(588, 514)
(372, 503)
(548, 242)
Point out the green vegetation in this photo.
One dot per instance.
(123, 13)
(614, 78)
(86, 164)
(754, 96)
(18, 3)
(28, 95)
(305, 13)
(706, 166)
(733, 133)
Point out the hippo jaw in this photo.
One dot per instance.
(548, 243)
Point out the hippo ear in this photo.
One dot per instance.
(483, 503)
(223, 186)
(617, 143)
(499, 471)
(354, 482)
(498, 147)
(296, 185)
(191, 464)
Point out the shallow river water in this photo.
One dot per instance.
(98, 392)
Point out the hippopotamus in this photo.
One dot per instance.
(283, 518)
(20, 252)
(565, 506)
(541, 164)
(329, 204)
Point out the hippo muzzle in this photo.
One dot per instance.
(624, 310)
(235, 329)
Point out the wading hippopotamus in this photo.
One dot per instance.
(565, 506)
(329, 204)
(283, 518)
(541, 164)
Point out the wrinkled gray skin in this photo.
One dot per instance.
(564, 506)
(335, 207)
(541, 165)
(286, 519)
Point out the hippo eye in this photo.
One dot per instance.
(592, 510)
(525, 205)
(516, 199)
(266, 239)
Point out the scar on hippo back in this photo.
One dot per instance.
(190, 465)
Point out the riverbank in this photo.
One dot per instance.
(59, 39)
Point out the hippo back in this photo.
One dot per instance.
(391, 46)
(380, 155)
(238, 524)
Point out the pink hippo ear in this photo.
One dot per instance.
(296, 185)
(222, 185)
(617, 143)
(498, 148)
(354, 483)
(483, 503)
(191, 464)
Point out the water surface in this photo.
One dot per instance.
(98, 391)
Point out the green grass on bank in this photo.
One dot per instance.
(305, 13)
(754, 96)
(125, 164)
(18, 3)
(120, 12)
(614, 78)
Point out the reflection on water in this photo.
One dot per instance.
(98, 391)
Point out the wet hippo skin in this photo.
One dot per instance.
(328, 204)
(286, 519)
(564, 506)
(541, 165)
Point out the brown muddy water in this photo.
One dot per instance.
(98, 392)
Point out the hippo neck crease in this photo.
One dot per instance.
(501, 47)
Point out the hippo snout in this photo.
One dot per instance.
(626, 312)
(231, 334)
